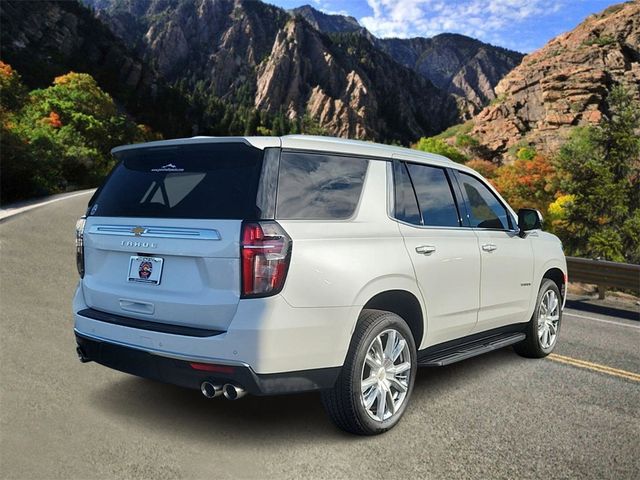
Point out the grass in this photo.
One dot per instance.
(600, 41)
(456, 130)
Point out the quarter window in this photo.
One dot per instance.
(435, 197)
(405, 203)
(485, 210)
(319, 187)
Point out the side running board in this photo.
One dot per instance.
(468, 350)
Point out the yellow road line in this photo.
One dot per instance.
(596, 367)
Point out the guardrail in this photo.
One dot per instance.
(604, 274)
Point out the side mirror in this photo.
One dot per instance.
(529, 219)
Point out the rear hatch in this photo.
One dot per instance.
(162, 235)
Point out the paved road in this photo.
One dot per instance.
(496, 416)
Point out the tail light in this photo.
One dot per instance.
(80, 245)
(265, 251)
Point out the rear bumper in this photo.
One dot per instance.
(180, 372)
(273, 348)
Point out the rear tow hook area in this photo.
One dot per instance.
(81, 355)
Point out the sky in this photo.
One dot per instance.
(522, 25)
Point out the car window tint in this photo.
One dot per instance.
(319, 187)
(218, 180)
(405, 205)
(434, 196)
(485, 210)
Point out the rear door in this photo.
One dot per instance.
(445, 255)
(162, 234)
(507, 259)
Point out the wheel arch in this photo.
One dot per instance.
(406, 305)
(558, 277)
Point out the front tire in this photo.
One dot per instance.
(376, 381)
(544, 326)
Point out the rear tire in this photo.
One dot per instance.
(544, 326)
(376, 381)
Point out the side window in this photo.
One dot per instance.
(485, 210)
(319, 187)
(405, 204)
(434, 194)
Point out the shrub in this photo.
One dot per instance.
(440, 147)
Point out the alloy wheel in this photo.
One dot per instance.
(548, 319)
(385, 377)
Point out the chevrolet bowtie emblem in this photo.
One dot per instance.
(137, 231)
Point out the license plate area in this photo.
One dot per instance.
(145, 270)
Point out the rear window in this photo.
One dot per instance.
(318, 186)
(206, 181)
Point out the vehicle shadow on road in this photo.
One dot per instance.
(254, 420)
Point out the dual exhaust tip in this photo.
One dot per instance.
(230, 391)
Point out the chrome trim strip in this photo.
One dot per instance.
(177, 356)
(156, 232)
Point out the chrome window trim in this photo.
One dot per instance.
(462, 203)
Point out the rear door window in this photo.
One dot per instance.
(319, 186)
(207, 181)
(435, 196)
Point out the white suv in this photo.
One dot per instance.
(272, 265)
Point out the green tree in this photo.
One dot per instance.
(12, 91)
(58, 137)
(279, 124)
(528, 182)
(83, 120)
(600, 168)
(310, 126)
(27, 168)
(251, 123)
(436, 145)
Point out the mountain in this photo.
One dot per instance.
(42, 40)
(462, 66)
(349, 86)
(563, 85)
(238, 67)
(328, 23)
(259, 56)
(459, 65)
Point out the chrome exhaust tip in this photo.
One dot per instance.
(210, 390)
(233, 392)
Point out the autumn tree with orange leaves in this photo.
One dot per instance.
(528, 182)
(58, 137)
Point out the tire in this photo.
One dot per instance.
(538, 344)
(345, 402)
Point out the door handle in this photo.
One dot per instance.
(426, 249)
(489, 247)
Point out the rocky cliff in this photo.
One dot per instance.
(564, 84)
(251, 53)
(42, 40)
(349, 87)
(56, 35)
(327, 23)
(464, 67)
(242, 66)
(459, 65)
